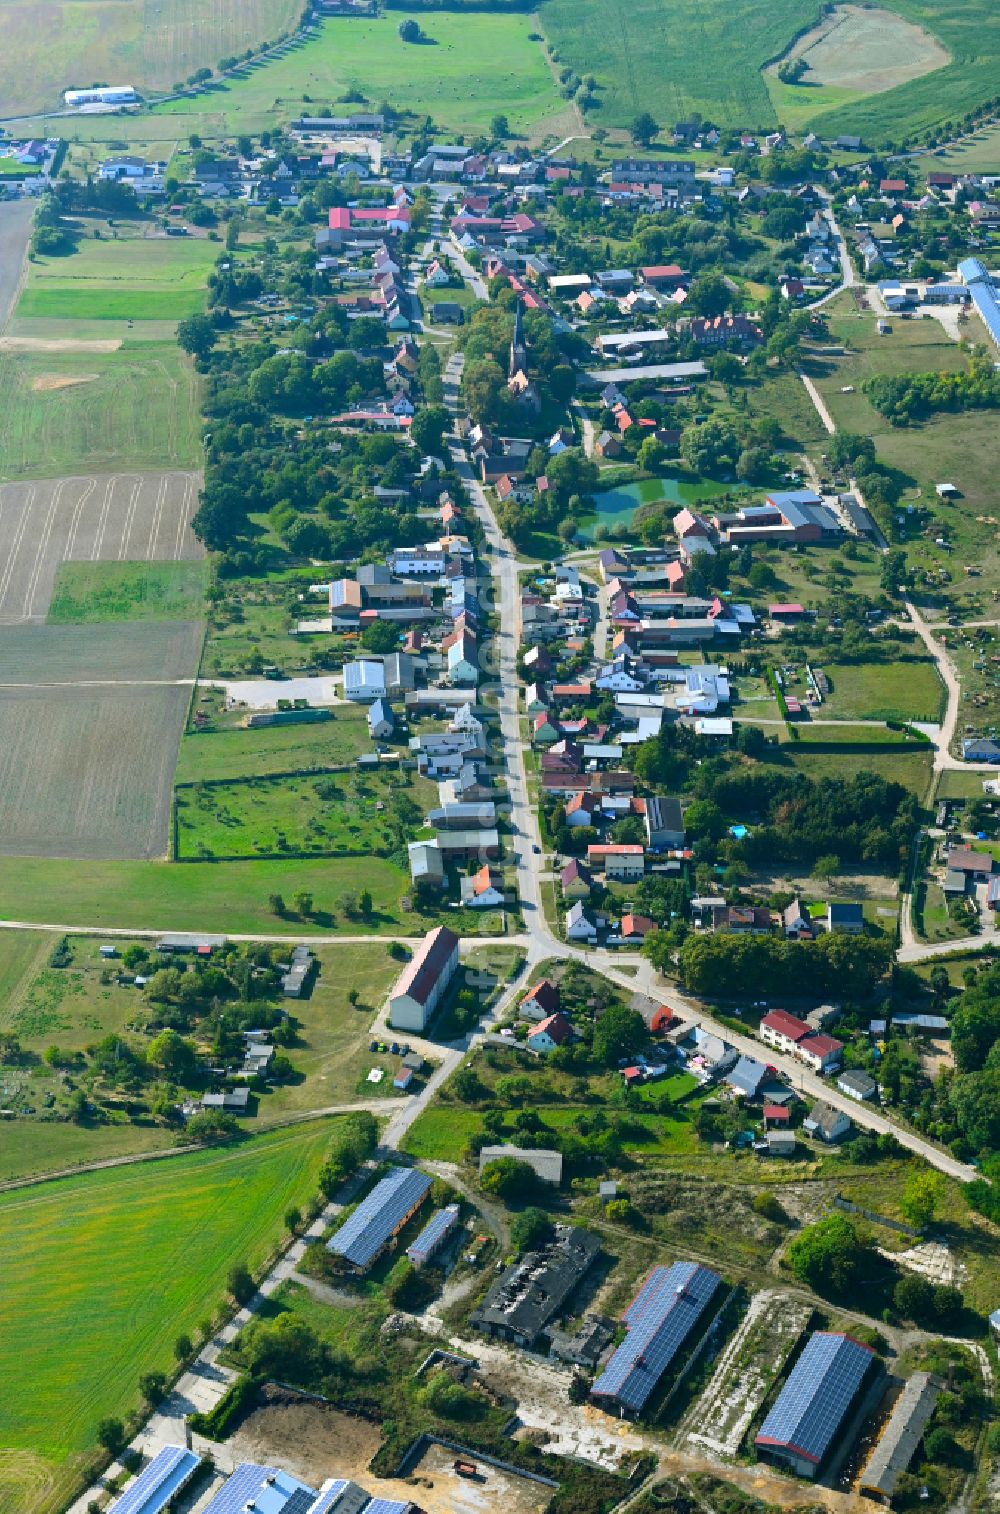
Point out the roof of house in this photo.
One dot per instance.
(421, 973)
(777, 1112)
(266, 1489)
(821, 1046)
(857, 1081)
(824, 1118)
(783, 1024)
(965, 859)
(543, 993)
(845, 914)
(364, 1234)
(747, 1075)
(555, 1026)
(659, 1319)
(821, 1386)
(664, 813)
(636, 925)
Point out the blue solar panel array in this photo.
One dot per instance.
(270, 1490)
(328, 1497)
(820, 1389)
(157, 1483)
(434, 1232)
(362, 1237)
(660, 1319)
(984, 295)
(387, 1506)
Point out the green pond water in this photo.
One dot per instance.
(617, 507)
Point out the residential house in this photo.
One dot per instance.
(857, 1085)
(622, 863)
(484, 890)
(541, 1000)
(579, 925)
(822, 1052)
(783, 1031)
(423, 982)
(664, 823)
(380, 722)
(826, 1123)
(550, 1033)
(848, 919)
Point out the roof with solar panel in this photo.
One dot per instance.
(339, 1496)
(660, 1318)
(377, 1218)
(437, 1229)
(157, 1483)
(820, 1389)
(268, 1489)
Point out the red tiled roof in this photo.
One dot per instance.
(784, 1024)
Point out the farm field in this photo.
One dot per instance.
(852, 52)
(130, 277)
(93, 1315)
(85, 528)
(241, 753)
(87, 773)
(106, 591)
(477, 64)
(90, 723)
(368, 814)
(150, 43)
(714, 62)
(70, 411)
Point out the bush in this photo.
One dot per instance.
(767, 1206)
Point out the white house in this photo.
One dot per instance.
(423, 982)
(380, 721)
(579, 926)
(550, 1033)
(827, 1123)
(463, 661)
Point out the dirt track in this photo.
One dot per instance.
(15, 233)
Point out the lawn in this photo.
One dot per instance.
(473, 65)
(128, 591)
(912, 768)
(130, 277)
(366, 814)
(149, 43)
(94, 411)
(909, 690)
(238, 752)
(91, 1314)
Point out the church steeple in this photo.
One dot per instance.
(518, 346)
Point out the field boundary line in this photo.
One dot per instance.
(88, 490)
(129, 518)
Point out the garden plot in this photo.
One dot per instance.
(123, 517)
(719, 1419)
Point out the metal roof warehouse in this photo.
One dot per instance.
(909, 1419)
(811, 1408)
(168, 1472)
(366, 1233)
(660, 1318)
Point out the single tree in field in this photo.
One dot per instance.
(240, 1284)
(499, 126)
(183, 1347)
(303, 902)
(365, 904)
(276, 904)
(643, 129)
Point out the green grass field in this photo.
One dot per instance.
(242, 753)
(127, 591)
(150, 43)
(369, 814)
(477, 64)
(131, 277)
(215, 896)
(74, 412)
(877, 691)
(92, 1314)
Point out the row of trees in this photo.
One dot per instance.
(905, 398)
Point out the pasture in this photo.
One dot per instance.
(98, 531)
(474, 65)
(124, 277)
(909, 690)
(241, 753)
(73, 411)
(368, 814)
(86, 592)
(91, 1314)
(149, 43)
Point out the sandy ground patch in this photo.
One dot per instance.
(932, 1260)
(867, 50)
(315, 1441)
(46, 382)
(264, 693)
(59, 344)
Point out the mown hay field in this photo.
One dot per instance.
(52, 45)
